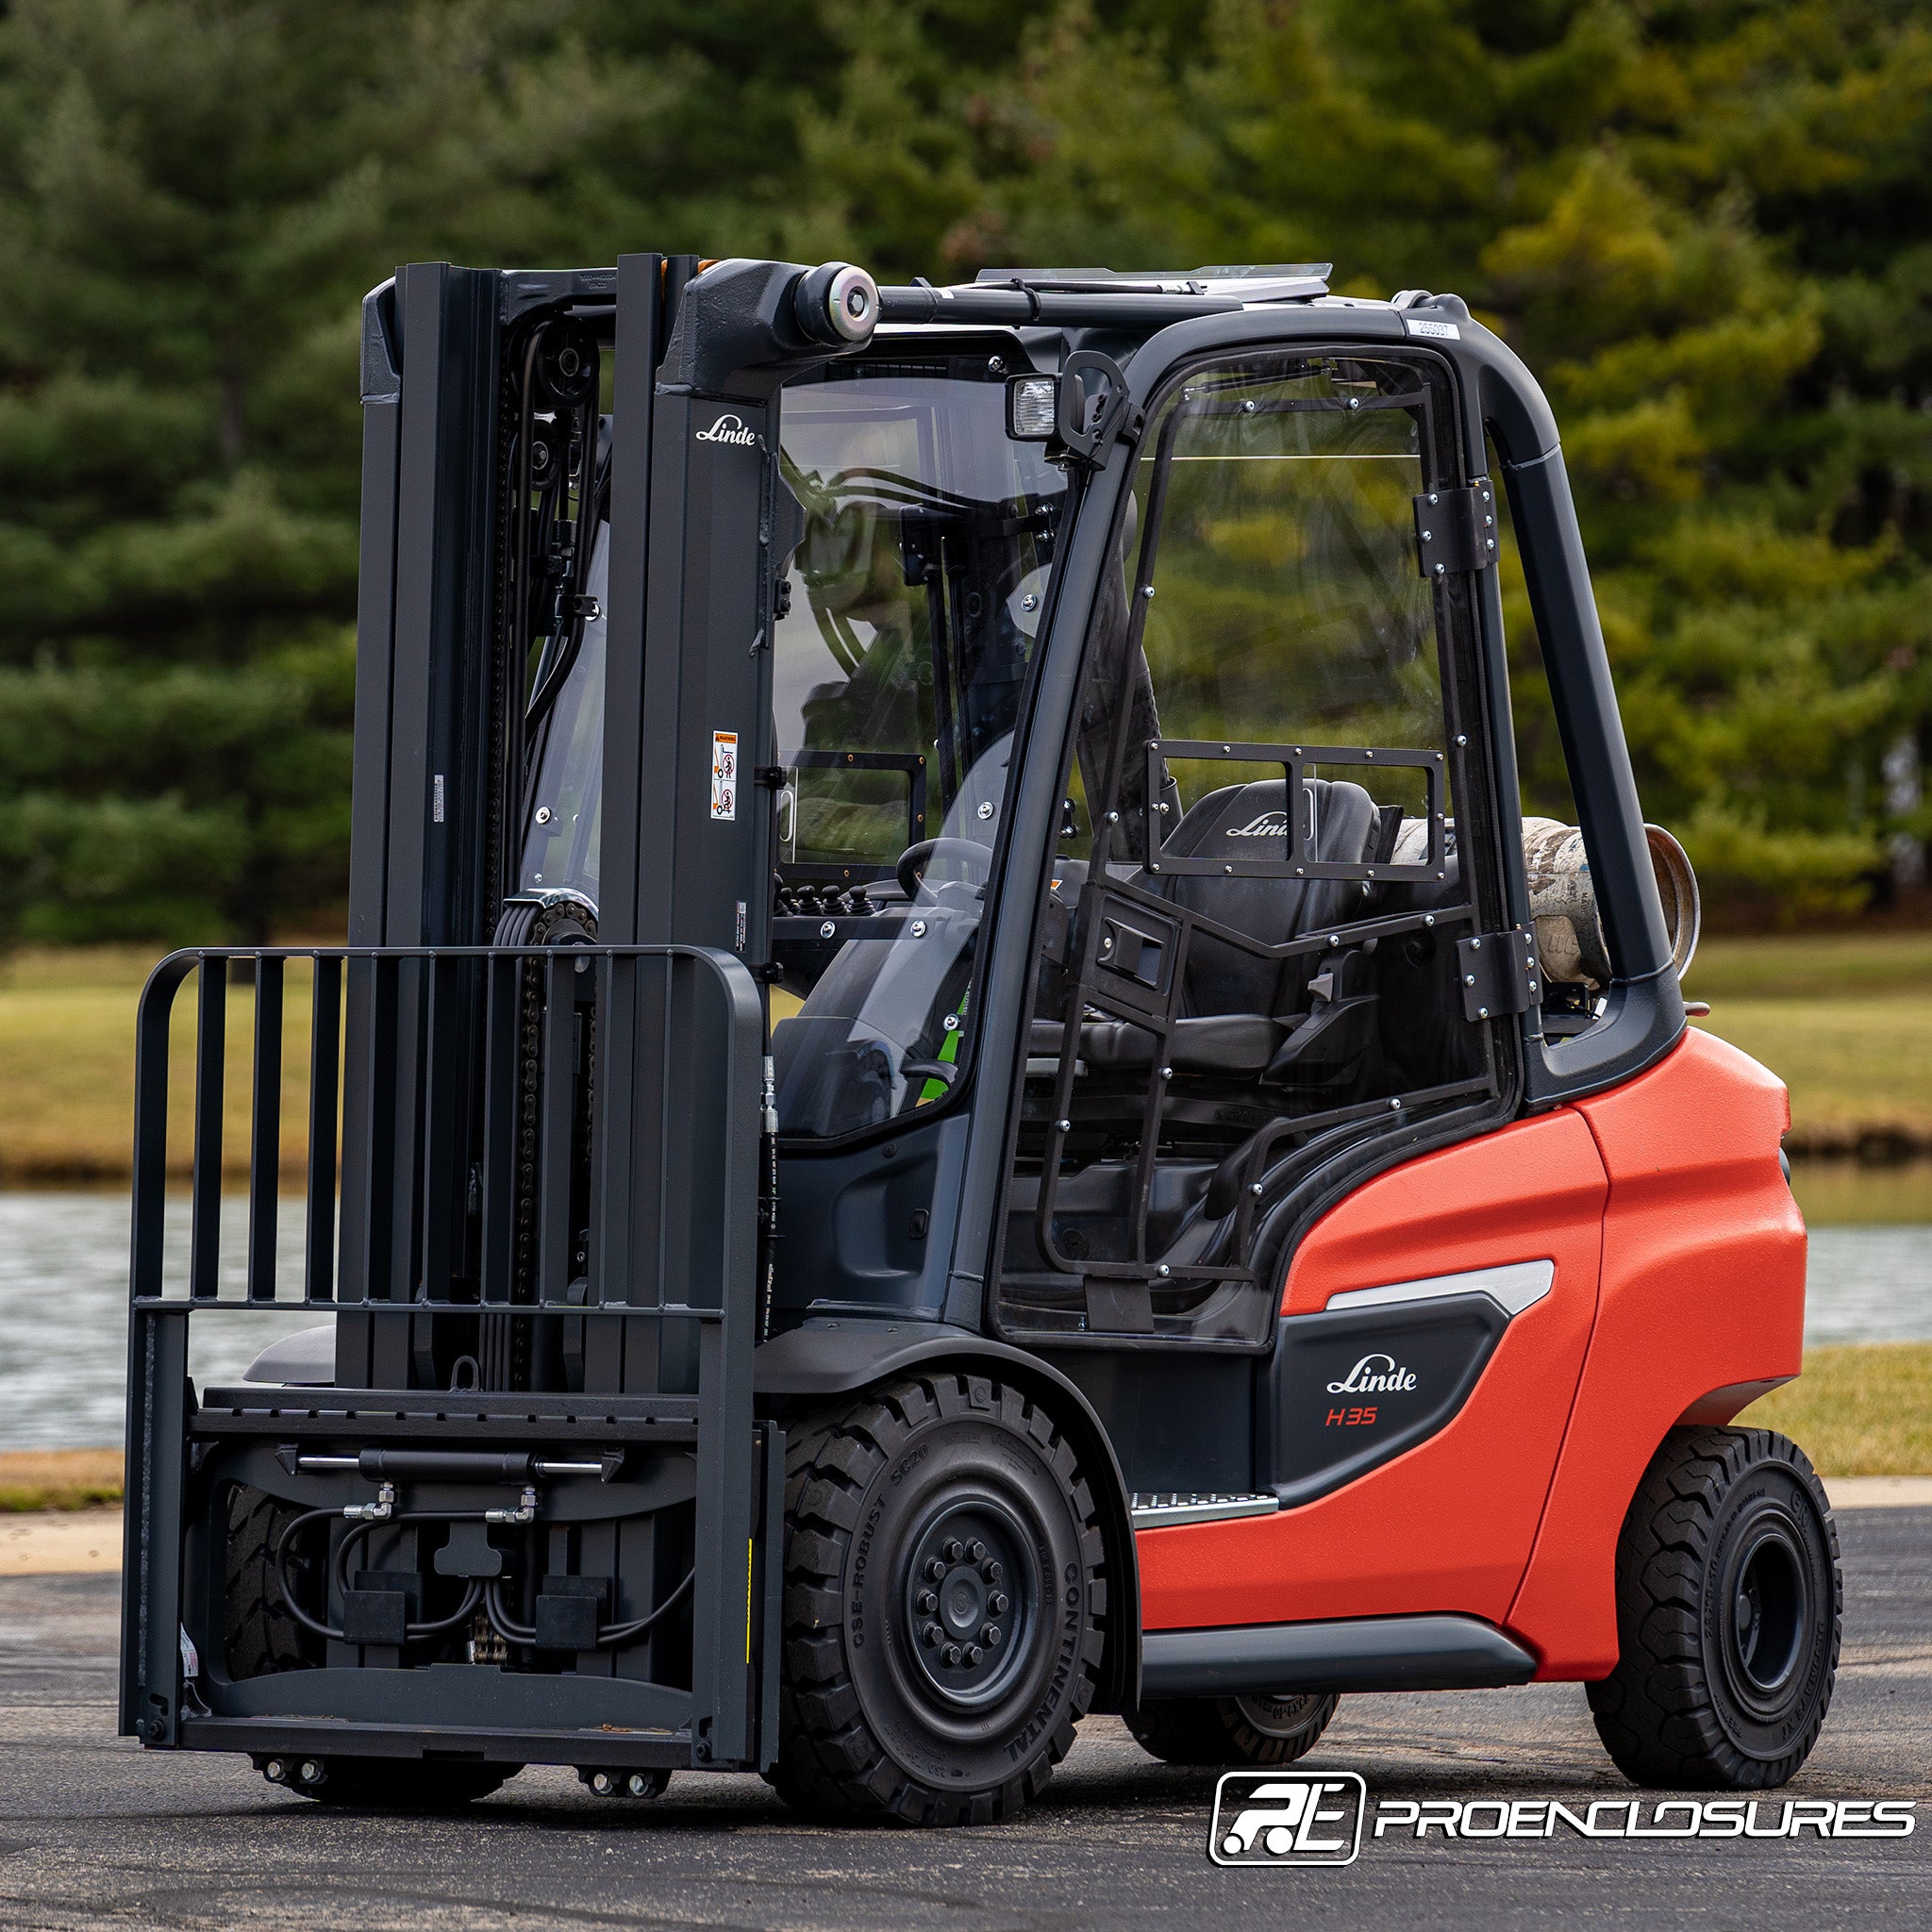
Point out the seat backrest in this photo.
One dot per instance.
(1248, 822)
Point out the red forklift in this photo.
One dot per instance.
(958, 1094)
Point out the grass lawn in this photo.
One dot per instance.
(1845, 1018)
(67, 1066)
(58, 1478)
(1858, 1410)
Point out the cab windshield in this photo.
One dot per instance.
(915, 598)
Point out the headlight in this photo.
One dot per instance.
(1030, 401)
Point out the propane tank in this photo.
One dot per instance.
(1562, 901)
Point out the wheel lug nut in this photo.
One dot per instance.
(973, 1652)
(992, 1571)
(990, 1636)
(930, 1636)
(928, 1602)
(950, 1656)
(997, 1603)
(935, 1570)
(955, 1550)
(976, 1550)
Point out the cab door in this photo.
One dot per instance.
(1274, 1038)
(1432, 1332)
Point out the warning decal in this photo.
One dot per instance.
(723, 775)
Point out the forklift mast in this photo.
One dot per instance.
(923, 859)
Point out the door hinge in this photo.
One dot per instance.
(1499, 974)
(1455, 529)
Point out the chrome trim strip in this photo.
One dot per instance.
(1150, 1511)
(1514, 1286)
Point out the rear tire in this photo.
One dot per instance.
(918, 1519)
(1729, 1604)
(261, 1635)
(1233, 1730)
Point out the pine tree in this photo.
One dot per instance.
(1705, 228)
(193, 196)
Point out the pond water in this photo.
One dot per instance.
(64, 1296)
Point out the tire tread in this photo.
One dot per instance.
(830, 1764)
(1654, 1711)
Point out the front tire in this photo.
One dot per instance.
(1253, 1729)
(1729, 1606)
(943, 1605)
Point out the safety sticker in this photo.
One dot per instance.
(723, 775)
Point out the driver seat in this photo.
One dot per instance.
(1238, 1007)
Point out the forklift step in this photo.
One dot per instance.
(1433, 1653)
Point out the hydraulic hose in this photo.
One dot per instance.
(466, 1609)
(513, 1632)
(488, 1595)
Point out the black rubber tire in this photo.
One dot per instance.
(868, 1729)
(260, 1636)
(404, 1784)
(1704, 1696)
(1233, 1730)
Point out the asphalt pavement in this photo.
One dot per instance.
(95, 1832)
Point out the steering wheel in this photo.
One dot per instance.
(910, 871)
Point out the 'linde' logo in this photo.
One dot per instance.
(1367, 1378)
(728, 428)
(1271, 824)
(1264, 1820)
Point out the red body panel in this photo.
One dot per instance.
(1448, 1525)
(1702, 1292)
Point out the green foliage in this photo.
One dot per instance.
(193, 195)
(1705, 226)
(1705, 229)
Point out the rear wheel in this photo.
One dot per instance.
(943, 1605)
(1256, 1729)
(261, 1634)
(1729, 1601)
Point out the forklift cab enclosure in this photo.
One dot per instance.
(953, 1099)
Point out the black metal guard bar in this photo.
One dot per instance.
(1155, 1010)
(1298, 860)
(911, 764)
(423, 1223)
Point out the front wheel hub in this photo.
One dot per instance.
(973, 1638)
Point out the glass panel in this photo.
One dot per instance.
(915, 598)
(1289, 606)
(1262, 741)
